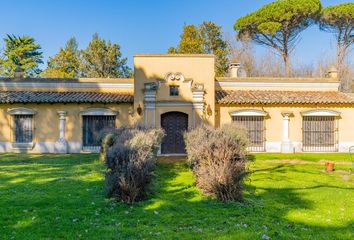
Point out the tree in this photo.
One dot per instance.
(278, 25)
(191, 41)
(103, 59)
(339, 20)
(204, 39)
(242, 51)
(21, 52)
(66, 63)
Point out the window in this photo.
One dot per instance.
(23, 128)
(319, 134)
(92, 127)
(254, 126)
(174, 90)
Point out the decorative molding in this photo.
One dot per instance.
(67, 85)
(189, 82)
(287, 114)
(21, 111)
(62, 114)
(174, 77)
(150, 96)
(321, 112)
(198, 87)
(174, 104)
(198, 96)
(198, 106)
(151, 86)
(98, 112)
(296, 85)
(249, 112)
(150, 105)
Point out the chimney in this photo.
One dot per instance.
(332, 72)
(19, 73)
(236, 71)
(233, 69)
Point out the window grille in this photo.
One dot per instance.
(23, 128)
(319, 134)
(92, 127)
(255, 129)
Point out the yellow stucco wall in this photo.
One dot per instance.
(274, 119)
(154, 68)
(46, 121)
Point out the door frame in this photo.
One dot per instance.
(188, 126)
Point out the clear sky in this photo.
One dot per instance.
(138, 26)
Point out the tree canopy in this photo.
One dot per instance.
(21, 52)
(66, 63)
(103, 59)
(277, 25)
(208, 39)
(339, 20)
(191, 41)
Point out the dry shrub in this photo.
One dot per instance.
(130, 157)
(218, 160)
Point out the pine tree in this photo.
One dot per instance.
(205, 39)
(66, 63)
(277, 25)
(21, 52)
(103, 59)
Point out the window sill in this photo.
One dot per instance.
(20, 146)
(91, 149)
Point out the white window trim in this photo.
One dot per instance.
(248, 112)
(98, 112)
(321, 112)
(21, 111)
(23, 146)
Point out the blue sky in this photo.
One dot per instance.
(138, 26)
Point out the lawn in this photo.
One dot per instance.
(62, 197)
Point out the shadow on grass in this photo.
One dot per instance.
(72, 205)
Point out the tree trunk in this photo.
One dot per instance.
(341, 54)
(287, 65)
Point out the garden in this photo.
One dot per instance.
(283, 197)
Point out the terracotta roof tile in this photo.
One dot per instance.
(64, 97)
(282, 97)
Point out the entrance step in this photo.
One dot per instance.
(172, 158)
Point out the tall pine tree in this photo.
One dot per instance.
(208, 39)
(278, 25)
(66, 63)
(21, 52)
(103, 59)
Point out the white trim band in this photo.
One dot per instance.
(21, 111)
(67, 85)
(296, 85)
(249, 112)
(321, 112)
(98, 112)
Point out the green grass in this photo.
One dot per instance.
(313, 157)
(62, 197)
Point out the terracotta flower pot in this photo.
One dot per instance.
(329, 166)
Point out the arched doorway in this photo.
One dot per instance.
(174, 124)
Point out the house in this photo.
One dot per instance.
(175, 92)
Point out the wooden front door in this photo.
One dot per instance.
(174, 124)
